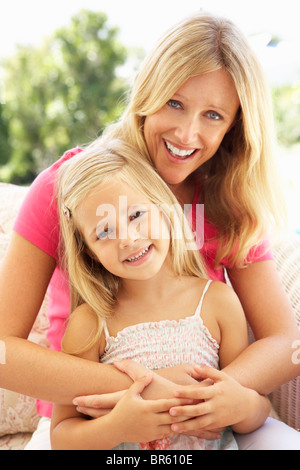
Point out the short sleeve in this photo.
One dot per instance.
(260, 252)
(37, 219)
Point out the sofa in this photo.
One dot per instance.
(18, 416)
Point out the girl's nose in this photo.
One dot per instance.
(127, 242)
(129, 237)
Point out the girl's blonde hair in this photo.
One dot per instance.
(92, 168)
(239, 185)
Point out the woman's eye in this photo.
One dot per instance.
(174, 104)
(136, 215)
(214, 115)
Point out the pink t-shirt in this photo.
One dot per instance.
(37, 221)
(207, 236)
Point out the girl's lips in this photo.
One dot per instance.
(139, 257)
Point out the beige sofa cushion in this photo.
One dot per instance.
(17, 412)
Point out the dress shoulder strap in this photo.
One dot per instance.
(105, 329)
(198, 310)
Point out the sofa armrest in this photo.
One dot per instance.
(286, 398)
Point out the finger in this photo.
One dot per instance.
(106, 400)
(165, 418)
(201, 423)
(191, 410)
(206, 372)
(164, 404)
(140, 384)
(205, 382)
(93, 412)
(196, 374)
(195, 392)
(88, 401)
(133, 369)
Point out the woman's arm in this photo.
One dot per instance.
(267, 363)
(221, 400)
(31, 369)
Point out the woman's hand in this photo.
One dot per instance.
(99, 405)
(219, 401)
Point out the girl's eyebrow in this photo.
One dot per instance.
(140, 206)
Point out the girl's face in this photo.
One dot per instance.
(188, 130)
(124, 231)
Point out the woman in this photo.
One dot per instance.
(200, 113)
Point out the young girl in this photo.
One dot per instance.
(140, 292)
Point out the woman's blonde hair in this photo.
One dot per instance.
(99, 164)
(239, 185)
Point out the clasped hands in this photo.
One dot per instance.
(210, 400)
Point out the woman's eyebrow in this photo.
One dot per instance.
(209, 106)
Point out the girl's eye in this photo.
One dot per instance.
(214, 115)
(174, 104)
(136, 214)
(104, 234)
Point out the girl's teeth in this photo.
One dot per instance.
(142, 253)
(177, 152)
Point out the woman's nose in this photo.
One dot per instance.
(188, 132)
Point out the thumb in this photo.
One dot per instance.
(133, 369)
(206, 372)
(140, 384)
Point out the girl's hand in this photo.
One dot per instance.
(99, 405)
(139, 420)
(218, 403)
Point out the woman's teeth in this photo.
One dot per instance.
(177, 152)
(140, 255)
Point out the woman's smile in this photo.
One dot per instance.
(188, 130)
(179, 153)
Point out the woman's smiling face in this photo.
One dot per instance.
(188, 130)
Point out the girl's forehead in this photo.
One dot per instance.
(115, 192)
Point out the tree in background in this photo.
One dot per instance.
(286, 101)
(4, 138)
(59, 95)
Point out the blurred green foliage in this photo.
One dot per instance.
(64, 92)
(286, 101)
(59, 95)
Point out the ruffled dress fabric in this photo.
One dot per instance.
(168, 343)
